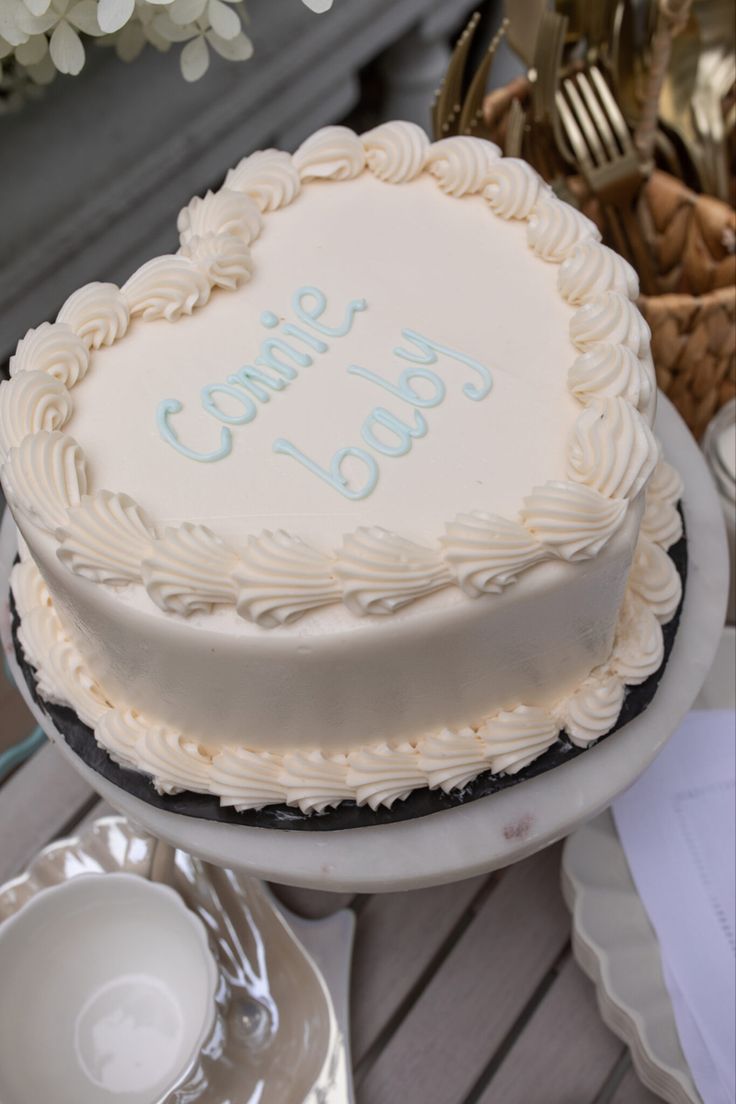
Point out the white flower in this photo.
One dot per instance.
(130, 40)
(65, 45)
(43, 72)
(11, 15)
(32, 51)
(223, 20)
(187, 11)
(37, 7)
(40, 37)
(66, 49)
(84, 16)
(195, 57)
(112, 15)
(30, 23)
(141, 30)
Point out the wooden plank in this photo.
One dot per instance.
(486, 982)
(398, 937)
(41, 801)
(17, 722)
(564, 1053)
(630, 1090)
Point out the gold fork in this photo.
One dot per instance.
(543, 137)
(601, 145)
(448, 98)
(471, 116)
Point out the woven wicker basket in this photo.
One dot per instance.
(692, 239)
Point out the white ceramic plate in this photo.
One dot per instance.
(286, 1027)
(613, 940)
(492, 831)
(615, 945)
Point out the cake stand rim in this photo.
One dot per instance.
(493, 831)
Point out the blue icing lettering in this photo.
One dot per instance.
(209, 404)
(172, 406)
(427, 354)
(333, 475)
(316, 343)
(251, 382)
(268, 358)
(404, 390)
(382, 431)
(271, 321)
(311, 318)
(401, 431)
(251, 379)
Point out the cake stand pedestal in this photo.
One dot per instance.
(493, 831)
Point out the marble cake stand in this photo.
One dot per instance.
(493, 831)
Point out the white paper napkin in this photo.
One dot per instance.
(677, 825)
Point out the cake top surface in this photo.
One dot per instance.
(375, 369)
(387, 263)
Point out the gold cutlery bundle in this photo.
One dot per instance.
(628, 109)
(613, 88)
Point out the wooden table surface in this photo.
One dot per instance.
(462, 994)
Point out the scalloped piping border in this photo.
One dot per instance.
(374, 775)
(467, 165)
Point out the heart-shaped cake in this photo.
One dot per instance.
(355, 493)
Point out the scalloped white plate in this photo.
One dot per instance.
(615, 945)
(286, 1013)
(612, 937)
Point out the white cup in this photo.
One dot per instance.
(107, 993)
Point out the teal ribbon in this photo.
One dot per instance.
(24, 749)
(21, 751)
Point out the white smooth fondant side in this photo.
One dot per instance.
(246, 773)
(336, 681)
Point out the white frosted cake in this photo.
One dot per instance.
(356, 493)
